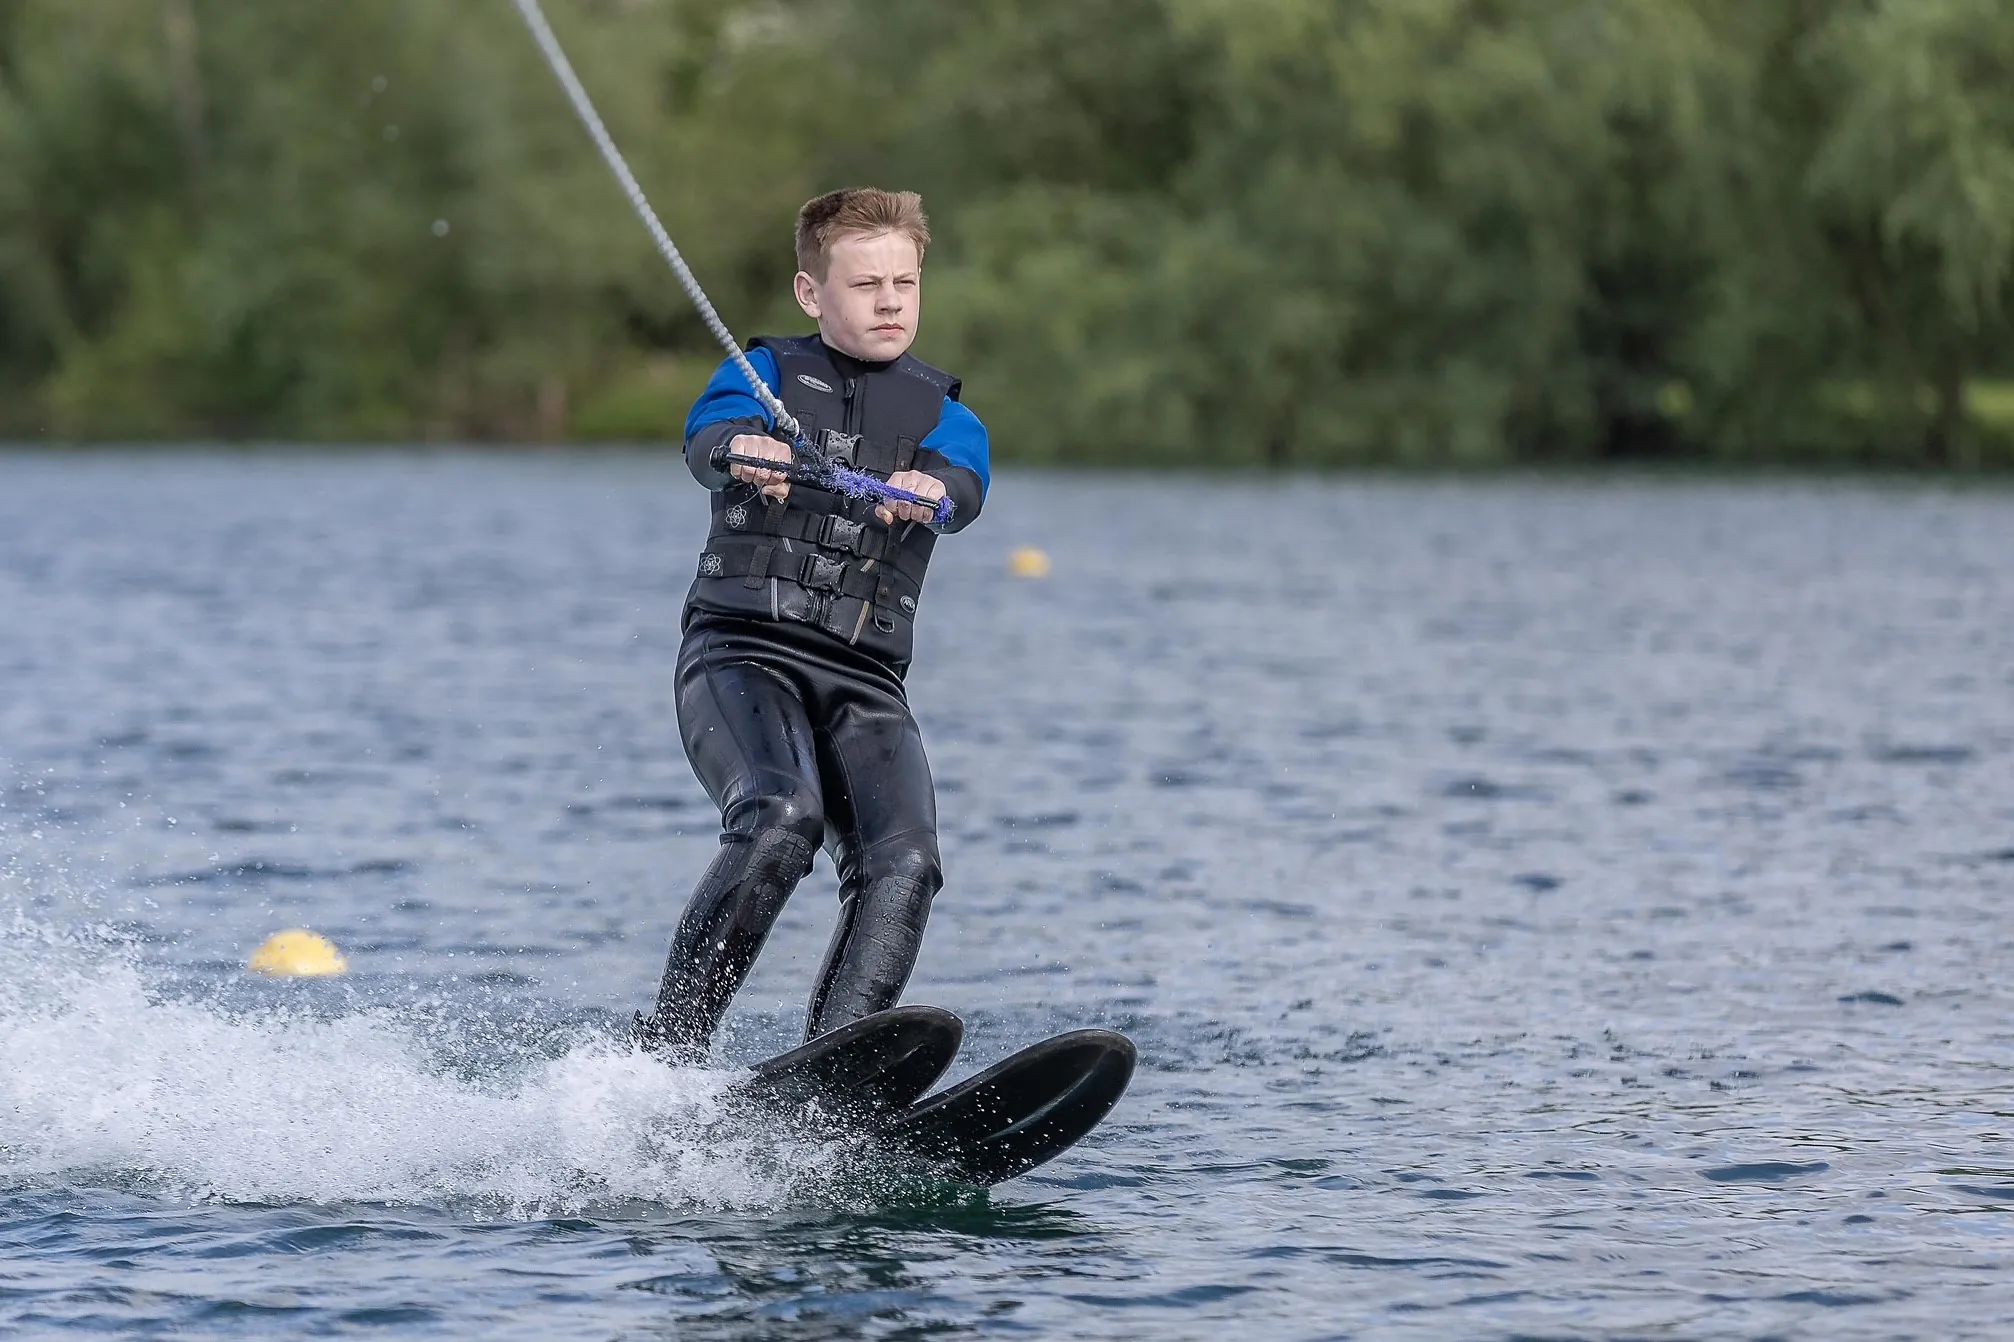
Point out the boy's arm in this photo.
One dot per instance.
(724, 409)
(957, 454)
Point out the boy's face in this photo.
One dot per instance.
(868, 303)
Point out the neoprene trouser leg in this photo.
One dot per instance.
(872, 952)
(794, 735)
(725, 924)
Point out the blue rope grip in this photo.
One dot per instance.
(819, 470)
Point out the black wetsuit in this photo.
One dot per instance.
(790, 694)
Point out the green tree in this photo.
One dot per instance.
(1389, 238)
(1911, 182)
(1183, 231)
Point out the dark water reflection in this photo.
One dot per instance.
(1544, 910)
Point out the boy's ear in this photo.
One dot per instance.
(805, 289)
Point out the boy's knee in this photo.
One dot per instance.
(911, 866)
(760, 819)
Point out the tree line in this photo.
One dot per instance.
(1210, 232)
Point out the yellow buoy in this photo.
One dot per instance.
(298, 953)
(1028, 562)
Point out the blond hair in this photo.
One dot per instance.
(856, 209)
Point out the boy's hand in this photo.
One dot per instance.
(914, 482)
(775, 484)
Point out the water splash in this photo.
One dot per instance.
(107, 1080)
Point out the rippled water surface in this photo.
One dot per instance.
(1544, 909)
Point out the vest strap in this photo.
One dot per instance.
(758, 566)
(755, 562)
(829, 530)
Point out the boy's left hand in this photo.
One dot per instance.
(919, 484)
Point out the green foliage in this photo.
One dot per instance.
(1230, 232)
(1390, 242)
(1861, 237)
(390, 226)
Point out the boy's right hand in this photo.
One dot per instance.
(775, 484)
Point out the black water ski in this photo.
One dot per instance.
(1018, 1113)
(864, 1071)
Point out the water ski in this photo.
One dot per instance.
(1018, 1113)
(862, 1072)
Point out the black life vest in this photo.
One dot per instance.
(819, 557)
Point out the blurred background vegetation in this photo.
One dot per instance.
(1299, 232)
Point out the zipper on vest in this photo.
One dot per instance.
(853, 416)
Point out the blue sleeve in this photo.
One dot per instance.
(961, 440)
(727, 395)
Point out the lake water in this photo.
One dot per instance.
(1544, 909)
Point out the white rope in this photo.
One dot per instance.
(549, 46)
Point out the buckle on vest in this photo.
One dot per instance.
(821, 574)
(840, 446)
(841, 534)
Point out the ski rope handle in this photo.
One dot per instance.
(840, 480)
(818, 468)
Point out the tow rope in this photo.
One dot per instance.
(810, 463)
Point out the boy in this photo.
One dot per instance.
(798, 630)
